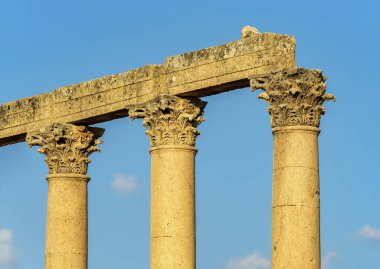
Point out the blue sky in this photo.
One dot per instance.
(48, 44)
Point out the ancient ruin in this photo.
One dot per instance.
(167, 98)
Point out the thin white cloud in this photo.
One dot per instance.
(252, 261)
(124, 184)
(327, 259)
(370, 233)
(8, 253)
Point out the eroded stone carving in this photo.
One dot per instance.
(249, 31)
(66, 146)
(295, 96)
(170, 120)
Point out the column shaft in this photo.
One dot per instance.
(171, 122)
(295, 214)
(173, 207)
(67, 148)
(66, 228)
(295, 97)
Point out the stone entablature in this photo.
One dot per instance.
(295, 96)
(66, 146)
(196, 74)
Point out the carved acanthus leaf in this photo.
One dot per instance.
(295, 96)
(170, 120)
(66, 146)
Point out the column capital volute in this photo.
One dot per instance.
(295, 96)
(170, 120)
(66, 146)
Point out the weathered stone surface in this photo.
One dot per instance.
(170, 120)
(295, 96)
(66, 146)
(295, 200)
(195, 74)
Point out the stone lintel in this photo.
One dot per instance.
(195, 74)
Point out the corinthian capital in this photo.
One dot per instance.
(66, 146)
(295, 96)
(170, 120)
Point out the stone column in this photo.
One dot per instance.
(67, 148)
(171, 123)
(295, 100)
